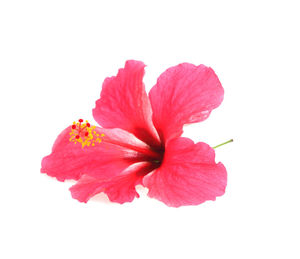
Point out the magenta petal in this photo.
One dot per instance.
(124, 103)
(117, 151)
(120, 188)
(86, 188)
(188, 175)
(184, 94)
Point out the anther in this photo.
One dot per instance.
(84, 133)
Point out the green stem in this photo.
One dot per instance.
(224, 143)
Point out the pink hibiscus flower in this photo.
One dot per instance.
(140, 140)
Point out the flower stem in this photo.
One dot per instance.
(231, 140)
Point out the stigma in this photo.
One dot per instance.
(85, 134)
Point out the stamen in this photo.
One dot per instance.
(84, 133)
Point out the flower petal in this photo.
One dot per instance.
(120, 188)
(117, 151)
(188, 175)
(124, 103)
(184, 94)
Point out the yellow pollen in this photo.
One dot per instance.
(84, 133)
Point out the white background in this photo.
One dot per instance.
(54, 56)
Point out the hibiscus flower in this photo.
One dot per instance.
(140, 140)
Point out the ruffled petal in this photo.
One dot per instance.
(120, 188)
(117, 151)
(124, 104)
(184, 94)
(188, 175)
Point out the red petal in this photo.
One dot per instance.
(184, 94)
(124, 103)
(117, 151)
(188, 175)
(119, 189)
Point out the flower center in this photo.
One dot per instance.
(160, 156)
(155, 162)
(84, 133)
